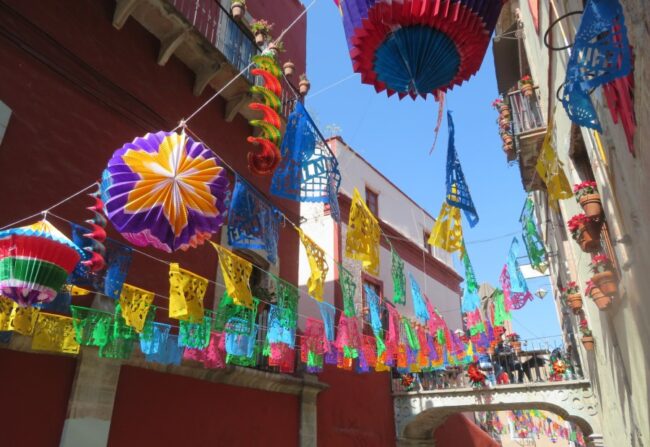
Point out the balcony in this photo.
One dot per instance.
(205, 37)
(529, 129)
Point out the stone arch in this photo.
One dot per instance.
(419, 414)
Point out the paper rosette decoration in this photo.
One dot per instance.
(165, 190)
(416, 47)
(35, 261)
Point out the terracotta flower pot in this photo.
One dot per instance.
(288, 68)
(591, 205)
(601, 300)
(516, 345)
(588, 342)
(237, 10)
(504, 107)
(606, 282)
(504, 123)
(507, 148)
(589, 238)
(575, 302)
(507, 139)
(260, 37)
(303, 87)
(505, 114)
(527, 90)
(490, 350)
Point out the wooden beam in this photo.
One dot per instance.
(170, 42)
(123, 10)
(205, 75)
(236, 104)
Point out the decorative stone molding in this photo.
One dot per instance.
(418, 414)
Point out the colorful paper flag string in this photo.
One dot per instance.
(362, 239)
(135, 304)
(253, 223)
(399, 278)
(447, 232)
(550, 169)
(54, 333)
(348, 290)
(186, 292)
(236, 273)
(531, 237)
(317, 265)
(457, 189)
(419, 305)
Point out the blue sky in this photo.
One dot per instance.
(395, 136)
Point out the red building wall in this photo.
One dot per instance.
(163, 410)
(34, 402)
(356, 410)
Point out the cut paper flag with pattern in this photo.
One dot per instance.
(317, 265)
(270, 90)
(313, 345)
(186, 292)
(415, 48)
(419, 304)
(550, 169)
(470, 302)
(348, 290)
(601, 53)
(531, 237)
(512, 280)
(327, 313)
(447, 232)
(92, 327)
(236, 273)
(168, 353)
(457, 189)
(374, 313)
(241, 346)
(214, 354)
(195, 335)
(348, 337)
(136, 305)
(35, 262)
(399, 278)
(501, 308)
(54, 333)
(362, 237)
(308, 172)
(155, 338)
(253, 223)
(167, 191)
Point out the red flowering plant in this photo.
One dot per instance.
(589, 286)
(497, 103)
(576, 225)
(584, 328)
(600, 263)
(526, 80)
(584, 188)
(262, 26)
(513, 336)
(571, 288)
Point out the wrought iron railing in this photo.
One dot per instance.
(231, 38)
(533, 363)
(527, 116)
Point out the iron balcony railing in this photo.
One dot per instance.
(231, 38)
(532, 364)
(527, 116)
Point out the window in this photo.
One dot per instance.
(372, 200)
(426, 235)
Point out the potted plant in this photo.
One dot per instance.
(601, 300)
(289, 68)
(304, 85)
(504, 122)
(587, 335)
(604, 277)
(573, 297)
(588, 197)
(501, 106)
(276, 47)
(585, 232)
(514, 338)
(526, 86)
(238, 9)
(261, 29)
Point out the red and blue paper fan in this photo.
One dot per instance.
(416, 47)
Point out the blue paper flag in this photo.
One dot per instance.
(457, 189)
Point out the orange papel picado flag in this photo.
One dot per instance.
(447, 233)
(362, 240)
(186, 292)
(135, 304)
(317, 265)
(54, 333)
(236, 273)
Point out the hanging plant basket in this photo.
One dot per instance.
(588, 342)
(586, 232)
(238, 10)
(591, 205)
(527, 90)
(601, 300)
(574, 301)
(607, 283)
(289, 68)
(304, 85)
(504, 108)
